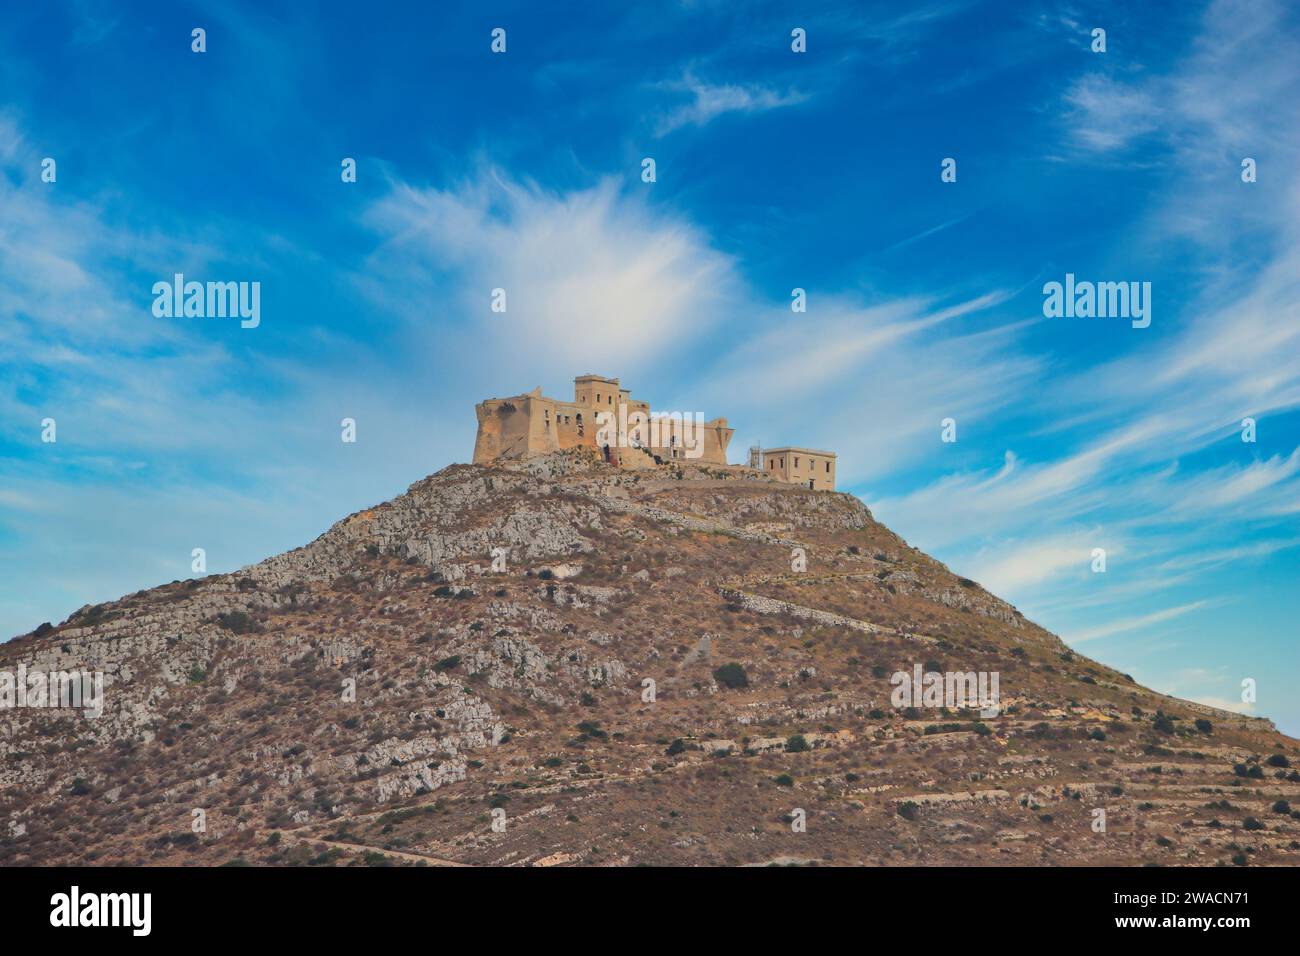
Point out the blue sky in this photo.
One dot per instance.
(775, 170)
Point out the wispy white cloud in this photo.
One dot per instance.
(1134, 623)
(1105, 114)
(707, 101)
(594, 278)
(926, 233)
(162, 445)
(1014, 565)
(1214, 558)
(1232, 354)
(902, 364)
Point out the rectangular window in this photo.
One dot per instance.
(828, 468)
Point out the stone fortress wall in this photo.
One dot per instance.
(603, 416)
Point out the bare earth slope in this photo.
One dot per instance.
(522, 692)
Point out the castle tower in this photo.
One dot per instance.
(521, 426)
(597, 392)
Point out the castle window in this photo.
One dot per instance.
(796, 461)
(828, 468)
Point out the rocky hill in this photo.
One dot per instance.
(649, 675)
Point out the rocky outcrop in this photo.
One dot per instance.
(556, 662)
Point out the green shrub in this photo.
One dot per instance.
(237, 622)
(796, 744)
(731, 675)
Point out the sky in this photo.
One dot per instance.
(775, 170)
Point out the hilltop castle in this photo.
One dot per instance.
(604, 416)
